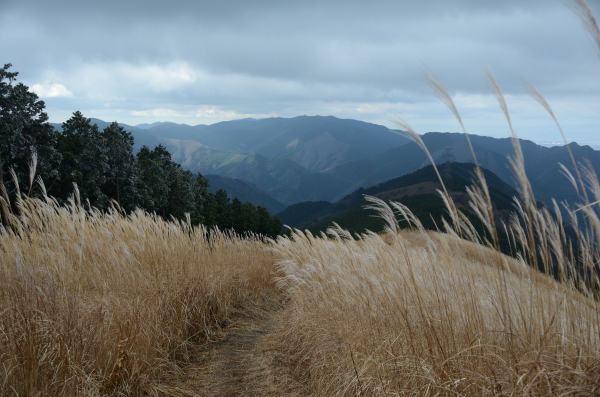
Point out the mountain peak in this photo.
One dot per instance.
(146, 126)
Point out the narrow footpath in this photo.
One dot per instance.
(244, 362)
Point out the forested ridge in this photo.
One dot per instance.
(103, 166)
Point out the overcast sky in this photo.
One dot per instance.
(200, 62)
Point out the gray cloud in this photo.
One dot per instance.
(142, 61)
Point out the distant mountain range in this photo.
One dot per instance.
(314, 158)
(142, 138)
(316, 143)
(417, 190)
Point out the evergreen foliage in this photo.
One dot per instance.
(105, 170)
(85, 160)
(122, 174)
(24, 132)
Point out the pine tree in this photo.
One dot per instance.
(182, 197)
(24, 130)
(223, 210)
(237, 215)
(264, 221)
(122, 173)
(200, 193)
(153, 181)
(85, 160)
(209, 211)
(250, 217)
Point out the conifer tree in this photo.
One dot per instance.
(85, 160)
(223, 210)
(153, 182)
(24, 131)
(122, 173)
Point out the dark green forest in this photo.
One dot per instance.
(429, 208)
(104, 168)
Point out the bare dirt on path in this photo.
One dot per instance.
(242, 361)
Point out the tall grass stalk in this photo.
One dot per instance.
(422, 313)
(98, 303)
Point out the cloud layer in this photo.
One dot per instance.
(201, 62)
(51, 90)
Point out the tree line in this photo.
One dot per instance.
(103, 165)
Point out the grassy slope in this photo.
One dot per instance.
(430, 314)
(102, 303)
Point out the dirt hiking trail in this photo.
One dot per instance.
(243, 361)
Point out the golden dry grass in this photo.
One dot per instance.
(95, 303)
(430, 314)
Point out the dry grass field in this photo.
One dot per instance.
(419, 313)
(112, 304)
(107, 304)
(94, 304)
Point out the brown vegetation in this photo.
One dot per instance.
(94, 303)
(431, 314)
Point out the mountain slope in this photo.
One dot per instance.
(541, 163)
(417, 190)
(324, 158)
(344, 179)
(245, 191)
(314, 142)
(270, 174)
